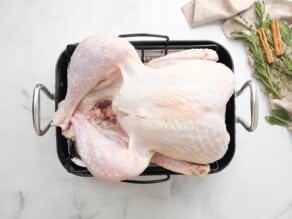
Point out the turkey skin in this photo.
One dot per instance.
(124, 114)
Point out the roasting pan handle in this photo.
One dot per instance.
(36, 109)
(166, 178)
(149, 35)
(253, 106)
(144, 35)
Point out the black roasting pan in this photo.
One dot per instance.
(147, 50)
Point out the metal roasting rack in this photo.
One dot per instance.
(147, 50)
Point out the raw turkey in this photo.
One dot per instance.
(124, 114)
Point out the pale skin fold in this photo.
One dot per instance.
(124, 114)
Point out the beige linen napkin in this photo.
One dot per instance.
(199, 12)
(243, 20)
(240, 15)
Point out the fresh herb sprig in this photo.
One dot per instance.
(270, 75)
(279, 117)
(262, 70)
(286, 32)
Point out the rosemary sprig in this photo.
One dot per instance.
(278, 72)
(261, 13)
(286, 32)
(264, 20)
(262, 70)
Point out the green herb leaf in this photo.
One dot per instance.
(286, 32)
(279, 117)
(275, 121)
(260, 12)
(281, 114)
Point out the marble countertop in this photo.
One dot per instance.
(33, 184)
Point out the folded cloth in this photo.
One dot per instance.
(199, 12)
(240, 16)
(243, 21)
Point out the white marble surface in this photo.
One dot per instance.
(33, 184)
